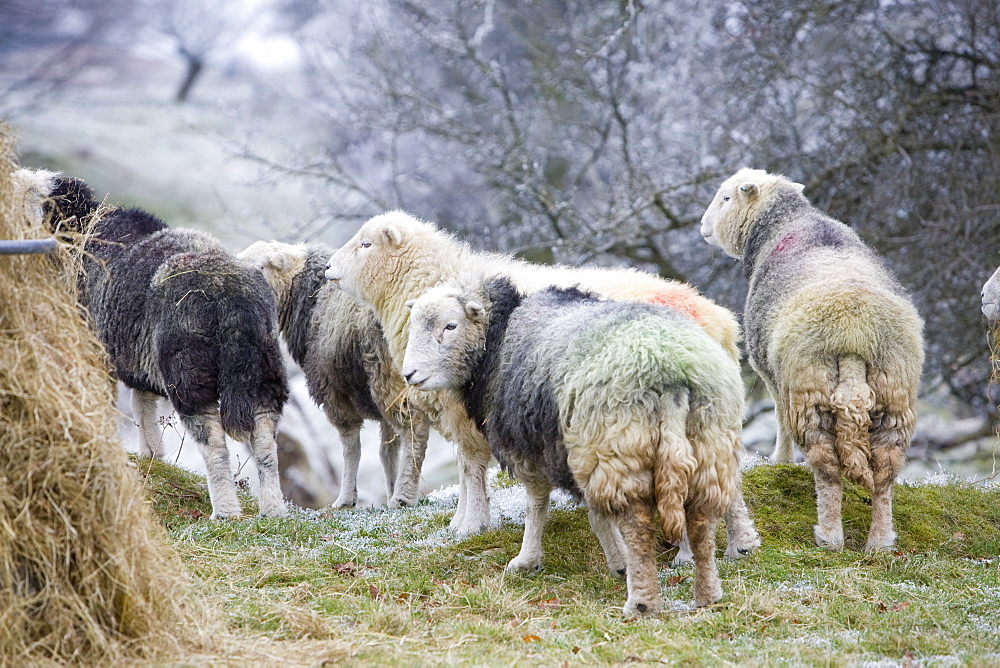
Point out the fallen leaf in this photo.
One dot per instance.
(531, 638)
(374, 592)
(675, 580)
(902, 605)
(576, 650)
(724, 636)
(882, 607)
(349, 569)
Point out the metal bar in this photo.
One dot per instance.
(27, 246)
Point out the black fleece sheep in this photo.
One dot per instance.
(346, 362)
(181, 318)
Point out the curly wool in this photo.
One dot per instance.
(624, 403)
(828, 327)
(395, 257)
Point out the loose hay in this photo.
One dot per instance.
(85, 572)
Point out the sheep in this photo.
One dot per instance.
(180, 318)
(340, 348)
(631, 406)
(835, 338)
(991, 297)
(395, 257)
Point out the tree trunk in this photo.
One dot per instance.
(194, 67)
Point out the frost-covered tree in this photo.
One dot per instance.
(580, 131)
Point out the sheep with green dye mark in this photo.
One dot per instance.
(395, 257)
(631, 406)
(834, 336)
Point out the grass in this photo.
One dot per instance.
(372, 586)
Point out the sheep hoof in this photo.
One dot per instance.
(634, 609)
(518, 565)
(683, 559)
(713, 596)
(883, 544)
(338, 504)
(833, 541)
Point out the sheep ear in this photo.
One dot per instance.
(749, 189)
(798, 187)
(393, 234)
(475, 311)
(279, 261)
(410, 303)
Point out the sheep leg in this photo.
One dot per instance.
(822, 458)
(264, 448)
(638, 534)
(350, 440)
(530, 557)
(684, 556)
(784, 448)
(604, 527)
(206, 430)
(144, 413)
(701, 530)
(472, 462)
(388, 454)
(741, 535)
(414, 449)
(889, 442)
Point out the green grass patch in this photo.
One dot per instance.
(370, 585)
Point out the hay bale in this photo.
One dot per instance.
(86, 574)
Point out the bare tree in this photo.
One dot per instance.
(44, 45)
(571, 131)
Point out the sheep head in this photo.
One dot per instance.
(364, 266)
(737, 205)
(447, 328)
(279, 262)
(991, 297)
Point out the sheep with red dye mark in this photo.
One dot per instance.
(395, 257)
(631, 406)
(834, 336)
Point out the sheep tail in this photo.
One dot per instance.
(252, 378)
(852, 402)
(675, 464)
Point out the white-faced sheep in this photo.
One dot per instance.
(395, 257)
(629, 405)
(833, 334)
(349, 373)
(180, 318)
(991, 297)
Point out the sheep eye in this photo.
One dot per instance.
(725, 199)
(450, 326)
(366, 244)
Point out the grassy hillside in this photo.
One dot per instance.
(372, 586)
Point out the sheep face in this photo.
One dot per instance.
(370, 254)
(991, 297)
(737, 204)
(280, 263)
(445, 329)
(32, 187)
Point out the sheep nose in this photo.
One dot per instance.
(409, 375)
